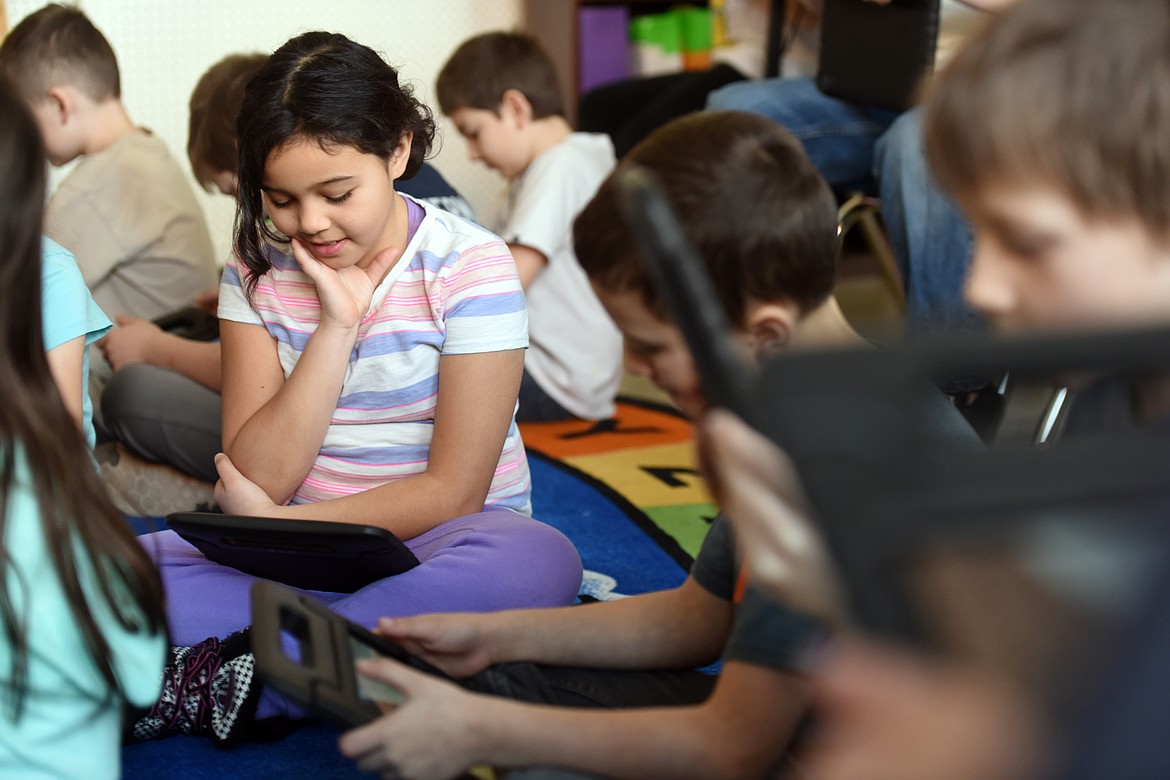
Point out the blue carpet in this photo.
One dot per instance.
(614, 538)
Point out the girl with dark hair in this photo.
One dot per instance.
(81, 609)
(372, 353)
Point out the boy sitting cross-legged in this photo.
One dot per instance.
(126, 210)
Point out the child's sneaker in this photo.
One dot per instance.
(207, 689)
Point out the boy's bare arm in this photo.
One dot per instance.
(136, 340)
(529, 262)
(440, 730)
(741, 731)
(679, 628)
(673, 629)
(196, 360)
(988, 5)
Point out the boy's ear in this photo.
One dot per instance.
(514, 104)
(63, 103)
(769, 327)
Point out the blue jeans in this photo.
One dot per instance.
(930, 238)
(880, 152)
(839, 137)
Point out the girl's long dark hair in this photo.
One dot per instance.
(329, 89)
(82, 529)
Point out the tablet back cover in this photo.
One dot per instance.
(877, 55)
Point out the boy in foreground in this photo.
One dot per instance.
(764, 222)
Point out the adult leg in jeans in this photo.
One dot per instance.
(838, 136)
(929, 235)
(930, 238)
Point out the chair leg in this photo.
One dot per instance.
(862, 211)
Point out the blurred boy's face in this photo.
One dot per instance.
(226, 182)
(656, 350)
(1039, 263)
(495, 140)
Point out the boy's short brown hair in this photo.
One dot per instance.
(749, 200)
(1071, 94)
(483, 68)
(59, 45)
(215, 103)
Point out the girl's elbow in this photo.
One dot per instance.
(469, 504)
(457, 498)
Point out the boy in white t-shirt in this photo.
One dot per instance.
(500, 89)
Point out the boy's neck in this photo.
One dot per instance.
(108, 122)
(825, 327)
(545, 133)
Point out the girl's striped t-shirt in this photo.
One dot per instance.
(454, 291)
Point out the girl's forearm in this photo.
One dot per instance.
(277, 446)
(406, 507)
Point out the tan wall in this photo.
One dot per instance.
(163, 46)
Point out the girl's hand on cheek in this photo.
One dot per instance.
(345, 293)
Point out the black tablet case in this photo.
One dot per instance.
(309, 554)
(877, 55)
(190, 322)
(320, 674)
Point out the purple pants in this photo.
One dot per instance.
(492, 560)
